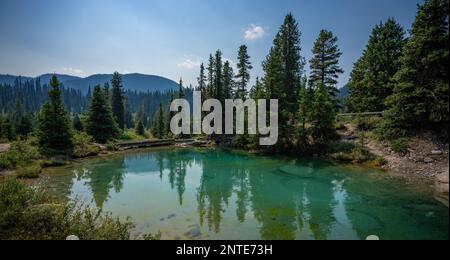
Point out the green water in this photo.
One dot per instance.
(209, 194)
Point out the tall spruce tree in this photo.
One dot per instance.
(228, 80)
(100, 123)
(283, 68)
(421, 88)
(243, 72)
(117, 100)
(180, 90)
(371, 79)
(201, 81)
(77, 124)
(210, 85)
(218, 86)
(324, 65)
(54, 128)
(139, 127)
(24, 126)
(158, 123)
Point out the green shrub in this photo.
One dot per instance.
(21, 153)
(84, 146)
(368, 123)
(131, 136)
(27, 213)
(29, 172)
(342, 146)
(55, 161)
(380, 161)
(111, 147)
(340, 126)
(400, 145)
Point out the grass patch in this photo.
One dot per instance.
(83, 146)
(131, 135)
(400, 145)
(29, 172)
(21, 154)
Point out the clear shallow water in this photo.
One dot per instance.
(208, 194)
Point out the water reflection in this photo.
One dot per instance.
(281, 199)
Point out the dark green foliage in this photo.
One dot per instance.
(180, 90)
(283, 68)
(140, 129)
(159, 124)
(218, 86)
(400, 145)
(30, 214)
(324, 65)
(6, 128)
(421, 88)
(28, 96)
(322, 120)
(77, 124)
(84, 146)
(371, 78)
(29, 172)
(100, 123)
(211, 81)
(228, 82)
(201, 80)
(117, 100)
(25, 126)
(20, 154)
(243, 73)
(54, 126)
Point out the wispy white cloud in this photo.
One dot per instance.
(189, 63)
(254, 32)
(72, 71)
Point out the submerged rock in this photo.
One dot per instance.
(303, 172)
(193, 232)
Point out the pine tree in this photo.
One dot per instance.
(323, 119)
(283, 68)
(210, 86)
(243, 74)
(421, 92)
(371, 78)
(324, 65)
(54, 129)
(24, 126)
(228, 82)
(158, 123)
(100, 123)
(106, 89)
(117, 100)
(218, 87)
(201, 80)
(257, 91)
(6, 129)
(77, 124)
(180, 90)
(140, 129)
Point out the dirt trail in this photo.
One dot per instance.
(4, 147)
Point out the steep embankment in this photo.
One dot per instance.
(425, 160)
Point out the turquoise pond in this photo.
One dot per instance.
(210, 194)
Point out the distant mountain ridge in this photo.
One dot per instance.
(135, 81)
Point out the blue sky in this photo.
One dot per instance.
(171, 37)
